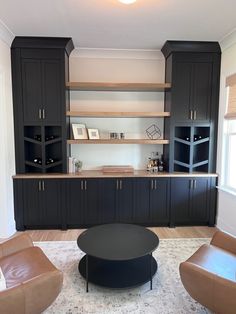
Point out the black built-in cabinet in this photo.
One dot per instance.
(193, 69)
(80, 203)
(40, 69)
(39, 72)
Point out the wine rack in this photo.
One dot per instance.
(43, 149)
(191, 148)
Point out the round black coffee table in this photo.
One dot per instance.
(118, 255)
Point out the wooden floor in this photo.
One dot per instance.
(162, 232)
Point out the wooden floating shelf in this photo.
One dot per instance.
(117, 114)
(106, 86)
(125, 141)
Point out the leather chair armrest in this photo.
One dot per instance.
(12, 300)
(15, 244)
(224, 241)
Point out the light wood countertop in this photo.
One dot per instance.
(100, 174)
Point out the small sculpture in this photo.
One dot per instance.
(153, 132)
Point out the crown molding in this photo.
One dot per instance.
(6, 34)
(106, 53)
(228, 40)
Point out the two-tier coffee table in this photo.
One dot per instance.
(118, 255)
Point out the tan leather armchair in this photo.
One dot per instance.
(32, 281)
(209, 275)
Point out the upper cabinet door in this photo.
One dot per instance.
(51, 83)
(32, 91)
(181, 87)
(201, 91)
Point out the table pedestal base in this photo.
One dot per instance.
(119, 274)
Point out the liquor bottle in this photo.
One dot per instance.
(161, 164)
(37, 137)
(38, 161)
(187, 138)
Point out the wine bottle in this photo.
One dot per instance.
(38, 160)
(49, 137)
(161, 164)
(37, 137)
(50, 161)
(187, 138)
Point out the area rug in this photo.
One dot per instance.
(168, 295)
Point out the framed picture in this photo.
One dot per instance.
(93, 134)
(79, 132)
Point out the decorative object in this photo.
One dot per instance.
(153, 132)
(78, 165)
(168, 294)
(79, 132)
(122, 136)
(120, 169)
(93, 134)
(114, 136)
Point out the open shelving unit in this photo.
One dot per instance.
(119, 141)
(107, 86)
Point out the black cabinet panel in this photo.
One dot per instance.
(74, 202)
(91, 208)
(191, 201)
(142, 200)
(42, 203)
(32, 203)
(108, 200)
(159, 201)
(51, 205)
(200, 200)
(125, 200)
(32, 90)
(51, 82)
(181, 87)
(180, 200)
(202, 89)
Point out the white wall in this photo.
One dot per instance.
(7, 157)
(226, 217)
(117, 66)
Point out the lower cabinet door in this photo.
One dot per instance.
(42, 203)
(91, 202)
(32, 200)
(108, 200)
(125, 200)
(51, 202)
(159, 201)
(142, 188)
(200, 200)
(74, 201)
(180, 201)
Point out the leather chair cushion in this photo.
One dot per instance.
(215, 260)
(25, 265)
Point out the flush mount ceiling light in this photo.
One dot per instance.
(127, 1)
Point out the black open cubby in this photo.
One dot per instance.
(32, 151)
(33, 132)
(191, 148)
(52, 133)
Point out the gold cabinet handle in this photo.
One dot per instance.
(43, 186)
(195, 184)
(43, 113)
(85, 185)
(151, 184)
(117, 184)
(40, 186)
(191, 114)
(155, 184)
(40, 114)
(120, 184)
(81, 185)
(194, 114)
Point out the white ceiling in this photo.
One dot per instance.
(147, 24)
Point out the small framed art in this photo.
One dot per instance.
(79, 132)
(93, 134)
